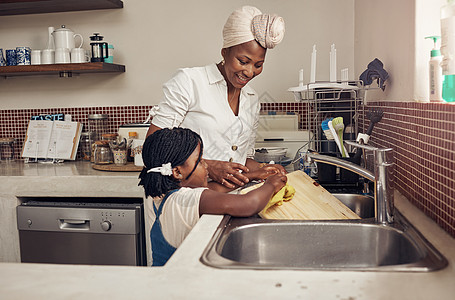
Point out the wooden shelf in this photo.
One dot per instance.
(63, 70)
(23, 7)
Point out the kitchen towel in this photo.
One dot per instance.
(375, 70)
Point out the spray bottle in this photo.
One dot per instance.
(448, 50)
(436, 76)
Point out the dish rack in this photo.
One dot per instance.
(325, 100)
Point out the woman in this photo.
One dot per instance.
(216, 102)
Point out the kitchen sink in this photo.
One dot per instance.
(358, 245)
(362, 205)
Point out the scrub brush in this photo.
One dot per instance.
(326, 129)
(337, 140)
(338, 125)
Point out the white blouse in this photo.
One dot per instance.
(196, 98)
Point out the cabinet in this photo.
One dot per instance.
(23, 7)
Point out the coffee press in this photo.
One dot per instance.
(99, 48)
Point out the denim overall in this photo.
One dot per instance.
(161, 249)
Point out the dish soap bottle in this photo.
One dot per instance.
(436, 76)
(447, 50)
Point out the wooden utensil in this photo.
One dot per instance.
(311, 202)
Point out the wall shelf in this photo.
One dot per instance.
(23, 7)
(63, 70)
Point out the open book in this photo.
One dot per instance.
(52, 139)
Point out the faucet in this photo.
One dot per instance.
(382, 177)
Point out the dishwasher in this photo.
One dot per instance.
(82, 231)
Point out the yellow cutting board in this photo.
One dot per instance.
(310, 202)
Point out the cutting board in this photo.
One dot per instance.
(311, 202)
(129, 167)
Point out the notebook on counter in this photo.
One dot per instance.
(52, 139)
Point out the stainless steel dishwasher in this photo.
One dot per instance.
(82, 231)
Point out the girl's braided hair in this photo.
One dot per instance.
(166, 146)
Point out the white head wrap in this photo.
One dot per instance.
(248, 23)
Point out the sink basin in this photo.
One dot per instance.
(254, 243)
(362, 205)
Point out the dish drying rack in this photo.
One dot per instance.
(331, 99)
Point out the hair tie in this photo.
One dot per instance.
(165, 169)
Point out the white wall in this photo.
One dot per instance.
(428, 13)
(394, 32)
(154, 38)
(385, 30)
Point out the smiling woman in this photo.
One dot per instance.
(216, 102)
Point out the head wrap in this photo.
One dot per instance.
(248, 23)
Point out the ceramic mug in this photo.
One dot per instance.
(78, 55)
(23, 56)
(119, 157)
(2, 58)
(47, 56)
(62, 56)
(11, 57)
(36, 57)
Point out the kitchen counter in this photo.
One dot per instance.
(184, 277)
(69, 179)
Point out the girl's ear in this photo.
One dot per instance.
(177, 174)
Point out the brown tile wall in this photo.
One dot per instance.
(423, 138)
(13, 123)
(421, 134)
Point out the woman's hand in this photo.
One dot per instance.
(280, 168)
(228, 174)
(262, 173)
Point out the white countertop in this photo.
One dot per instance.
(184, 277)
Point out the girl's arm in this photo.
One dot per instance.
(246, 205)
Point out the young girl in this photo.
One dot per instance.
(175, 183)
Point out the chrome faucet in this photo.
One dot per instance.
(382, 177)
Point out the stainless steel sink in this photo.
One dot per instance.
(362, 205)
(254, 243)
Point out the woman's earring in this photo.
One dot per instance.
(222, 62)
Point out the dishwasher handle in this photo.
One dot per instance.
(72, 224)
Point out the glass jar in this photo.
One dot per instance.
(109, 137)
(85, 146)
(103, 154)
(98, 125)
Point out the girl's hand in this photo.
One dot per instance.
(278, 181)
(228, 174)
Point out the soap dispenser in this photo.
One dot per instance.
(436, 77)
(447, 50)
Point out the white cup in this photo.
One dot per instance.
(62, 56)
(78, 55)
(36, 57)
(47, 56)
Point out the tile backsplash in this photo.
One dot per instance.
(423, 138)
(421, 134)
